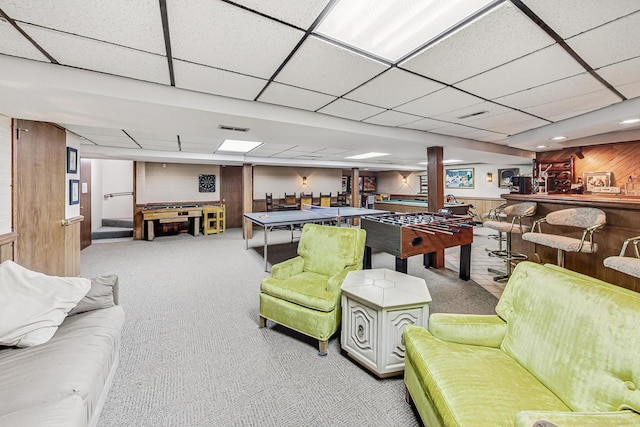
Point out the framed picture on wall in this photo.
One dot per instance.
(596, 179)
(74, 191)
(505, 175)
(459, 178)
(72, 160)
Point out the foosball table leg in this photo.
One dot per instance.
(465, 262)
(366, 260)
(401, 265)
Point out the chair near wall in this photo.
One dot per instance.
(587, 219)
(306, 199)
(517, 212)
(341, 199)
(289, 199)
(303, 293)
(214, 219)
(325, 200)
(626, 264)
(268, 200)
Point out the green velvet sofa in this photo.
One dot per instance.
(563, 348)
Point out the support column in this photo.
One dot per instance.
(247, 198)
(435, 196)
(355, 192)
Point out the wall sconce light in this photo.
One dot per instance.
(489, 177)
(304, 180)
(404, 179)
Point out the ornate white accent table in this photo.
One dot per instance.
(376, 306)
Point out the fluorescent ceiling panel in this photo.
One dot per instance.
(369, 155)
(326, 68)
(238, 146)
(100, 56)
(15, 44)
(296, 12)
(392, 88)
(391, 29)
(208, 32)
(277, 93)
(134, 24)
(476, 43)
(218, 82)
(350, 109)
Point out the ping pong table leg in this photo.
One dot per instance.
(465, 262)
(366, 260)
(264, 250)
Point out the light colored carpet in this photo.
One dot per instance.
(193, 355)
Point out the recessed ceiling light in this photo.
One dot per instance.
(391, 29)
(452, 161)
(238, 146)
(629, 121)
(541, 146)
(367, 155)
(558, 138)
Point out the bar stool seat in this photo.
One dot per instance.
(589, 219)
(626, 264)
(517, 212)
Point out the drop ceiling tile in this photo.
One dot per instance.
(89, 131)
(495, 38)
(114, 141)
(196, 148)
(218, 82)
(622, 73)
(541, 67)
(631, 90)
(289, 96)
(453, 129)
(574, 106)
(461, 116)
(392, 118)
(295, 12)
(100, 56)
(392, 88)
(15, 44)
(425, 124)
(610, 43)
(554, 91)
(152, 136)
(326, 68)
(155, 145)
(208, 32)
(485, 136)
(508, 123)
(442, 101)
(135, 24)
(332, 151)
(571, 17)
(350, 109)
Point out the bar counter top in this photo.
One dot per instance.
(623, 221)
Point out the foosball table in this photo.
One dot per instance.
(407, 234)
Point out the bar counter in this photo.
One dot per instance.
(623, 221)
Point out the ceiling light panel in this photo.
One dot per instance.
(571, 17)
(392, 118)
(369, 155)
(391, 29)
(624, 77)
(15, 44)
(289, 96)
(538, 68)
(100, 56)
(295, 12)
(238, 146)
(476, 43)
(218, 82)
(350, 109)
(392, 88)
(327, 68)
(609, 43)
(135, 24)
(442, 101)
(207, 32)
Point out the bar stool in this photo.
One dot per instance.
(268, 201)
(214, 219)
(517, 212)
(626, 264)
(588, 219)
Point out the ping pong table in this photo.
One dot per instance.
(309, 214)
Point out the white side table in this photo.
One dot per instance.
(376, 306)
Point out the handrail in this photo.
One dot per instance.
(108, 195)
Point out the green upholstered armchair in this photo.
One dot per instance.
(303, 293)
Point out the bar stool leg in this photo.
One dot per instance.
(561, 258)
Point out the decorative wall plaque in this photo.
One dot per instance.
(207, 183)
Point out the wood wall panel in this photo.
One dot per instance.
(72, 249)
(7, 243)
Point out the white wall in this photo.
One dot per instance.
(174, 183)
(70, 210)
(279, 180)
(96, 194)
(117, 177)
(5, 175)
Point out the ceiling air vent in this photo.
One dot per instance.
(233, 128)
(472, 115)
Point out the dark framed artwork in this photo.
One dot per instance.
(74, 191)
(72, 160)
(207, 183)
(505, 177)
(459, 178)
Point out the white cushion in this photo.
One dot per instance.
(33, 305)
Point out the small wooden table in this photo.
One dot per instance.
(376, 306)
(163, 214)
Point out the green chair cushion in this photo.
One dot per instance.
(306, 289)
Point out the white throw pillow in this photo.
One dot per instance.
(33, 305)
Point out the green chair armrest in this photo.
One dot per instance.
(471, 329)
(288, 268)
(335, 281)
(578, 419)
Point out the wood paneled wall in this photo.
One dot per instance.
(7, 243)
(72, 246)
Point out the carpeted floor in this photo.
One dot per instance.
(193, 355)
